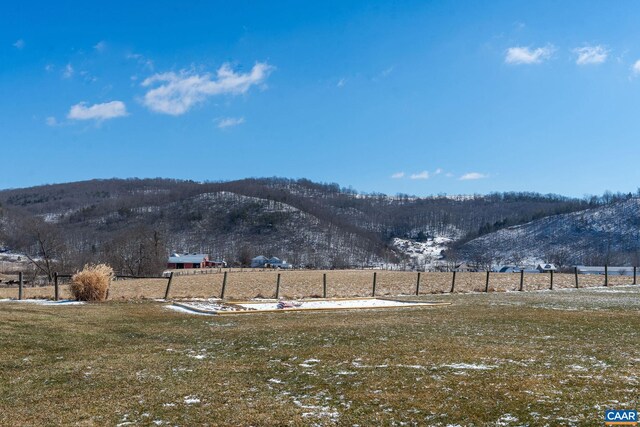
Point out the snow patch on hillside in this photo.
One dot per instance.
(422, 254)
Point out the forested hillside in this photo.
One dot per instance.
(608, 234)
(134, 223)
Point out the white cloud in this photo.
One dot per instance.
(228, 122)
(100, 46)
(19, 44)
(420, 175)
(341, 82)
(591, 55)
(178, 92)
(51, 121)
(525, 55)
(438, 171)
(636, 67)
(473, 176)
(108, 110)
(398, 175)
(68, 71)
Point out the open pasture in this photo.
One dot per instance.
(538, 358)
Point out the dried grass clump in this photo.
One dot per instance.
(92, 283)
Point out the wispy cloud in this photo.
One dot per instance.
(100, 46)
(51, 121)
(68, 71)
(420, 175)
(341, 82)
(387, 71)
(526, 55)
(229, 122)
(398, 175)
(19, 44)
(141, 60)
(383, 74)
(588, 55)
(438, 171)
(99, 112)
(473, 176)
(635, 68)
(178, 92)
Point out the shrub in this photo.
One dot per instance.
(92, 283)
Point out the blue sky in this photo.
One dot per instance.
(412, 97)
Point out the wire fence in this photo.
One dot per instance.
(247, 284)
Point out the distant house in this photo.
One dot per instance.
(194, 260)
(545, 268)
(508, 269)
(259, 262)
(274, 262)
(515, 269)
(217, 264)
(465, 268)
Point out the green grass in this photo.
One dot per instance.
(557, 358)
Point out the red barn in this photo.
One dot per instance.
(180, 261)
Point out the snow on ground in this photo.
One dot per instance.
(43, 301)
(478, 367)
(217, 306)
(190, 400)
(363, 303)
(186, 310)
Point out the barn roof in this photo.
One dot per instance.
(187, 258)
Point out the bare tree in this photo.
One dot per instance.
(138, 251)
(41, 242)
(558, 256)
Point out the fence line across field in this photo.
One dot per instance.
(459, 282)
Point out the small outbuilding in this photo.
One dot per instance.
(545, 268)
(508, 269)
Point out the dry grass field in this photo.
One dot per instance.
(507, 359)
(308, 283)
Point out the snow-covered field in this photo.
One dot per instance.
(216, 306)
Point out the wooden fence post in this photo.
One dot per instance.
(373, 293)
(521, 280)
(278, 286)
(575, 272)
(453, 281)
(634, 275)
(418, 284)
(486, 285)
(166, 293)
(56, 289)
(550, 280)
(606, 275)
(224, 285)
(20, 286)
(324, 285)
